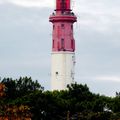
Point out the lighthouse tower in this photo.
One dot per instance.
(63, 46)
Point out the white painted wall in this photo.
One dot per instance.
(62, 72)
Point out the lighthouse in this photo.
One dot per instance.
(63, 45)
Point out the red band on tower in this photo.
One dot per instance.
(63, 20)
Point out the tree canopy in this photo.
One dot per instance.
(77, 102)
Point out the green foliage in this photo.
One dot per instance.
(20, 87)
(75, 103)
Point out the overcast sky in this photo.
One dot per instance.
(25, 42)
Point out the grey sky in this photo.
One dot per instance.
(25, 42)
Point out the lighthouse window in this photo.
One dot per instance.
(53, 43)
(72, 44)
(56, 73)
(72, 27)
(62, 25)
(62, 43)
(53, 27)
(63, 4)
